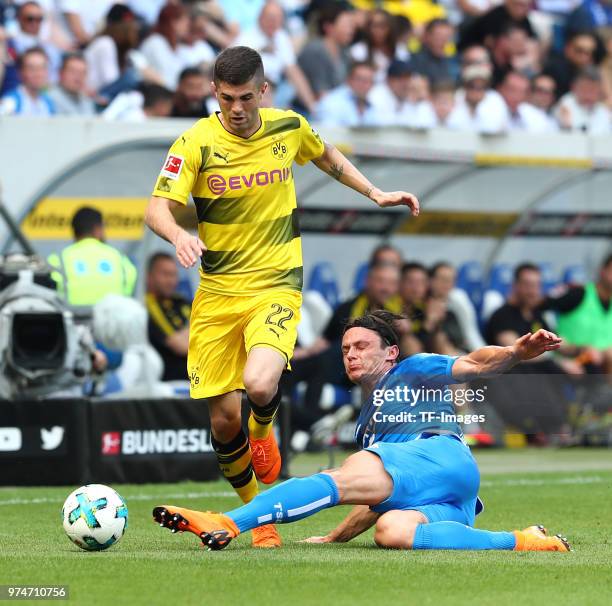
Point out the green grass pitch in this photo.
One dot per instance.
(570, 491)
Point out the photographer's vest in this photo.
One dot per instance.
(93, 269)
(589, 324)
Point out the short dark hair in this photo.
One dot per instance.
(190, 72)
(435, 23)
(433, 270)
(519, 269)
(413, 266)
(378, 250)
(237, 65)
(85, 220)
(68, 57)
(381, 322)
(329, 13)
(357, 64)
(35, 50)
(154, 93)
(158, 256)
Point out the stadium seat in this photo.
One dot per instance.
(323, 280)
(549, 281)
(470, 279)
(185, 288)
(574, 274)
(360, 278)
(500, 279)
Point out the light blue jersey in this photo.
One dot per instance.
(411, 399)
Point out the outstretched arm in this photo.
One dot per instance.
(358, 520)
(493, 360)
(160, 219)
(334, 163)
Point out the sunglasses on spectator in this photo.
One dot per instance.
(33, 18)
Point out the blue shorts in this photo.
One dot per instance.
(437, 476)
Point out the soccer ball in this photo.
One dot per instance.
(95, 517)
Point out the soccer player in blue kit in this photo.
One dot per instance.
(414, 477)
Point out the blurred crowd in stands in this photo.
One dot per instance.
(485, 66)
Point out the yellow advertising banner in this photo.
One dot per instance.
(50, 218)
(459, 223)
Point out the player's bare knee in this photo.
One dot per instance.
(396, 529)
(260, 389)
(225, 425)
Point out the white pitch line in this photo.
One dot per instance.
(228, 494)
(137, 497)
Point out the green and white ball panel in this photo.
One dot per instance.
(94, 517)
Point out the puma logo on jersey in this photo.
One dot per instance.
(221, 157)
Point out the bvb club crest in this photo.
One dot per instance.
(279, 148)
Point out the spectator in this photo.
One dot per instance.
(582, 109)
(30, 18)
(112, 60)
(30, 97)
(89, 269)
(447, 335)
(169, 313)
(543, 93)
(164, 48)
(393, 102)
(209, 24)
(380, 46)
(148, 101)
(585, 319)
(348, 105)
(414, 285)
(519, 115)
(432, 61)
(578, 53)
(196, 49)
(270, 39)
(529, 403)
(385, 254)
(84, 18)
(475, 109)
(484, 29)
(510, 52)
(69, 95)
(325, 60)
(193, 98)
(476, 55)
(443, 101)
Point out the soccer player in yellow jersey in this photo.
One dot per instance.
(237, 166)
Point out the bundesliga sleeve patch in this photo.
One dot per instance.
(173, 167)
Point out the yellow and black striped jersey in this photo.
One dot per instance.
(244, 195)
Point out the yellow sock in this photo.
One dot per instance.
(262, 417)
(235, 464)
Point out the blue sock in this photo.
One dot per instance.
(288, 502)
(452, 535)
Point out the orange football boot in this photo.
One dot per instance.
(215, 530)
(266, 537)
(266, 458)
(535, 538)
